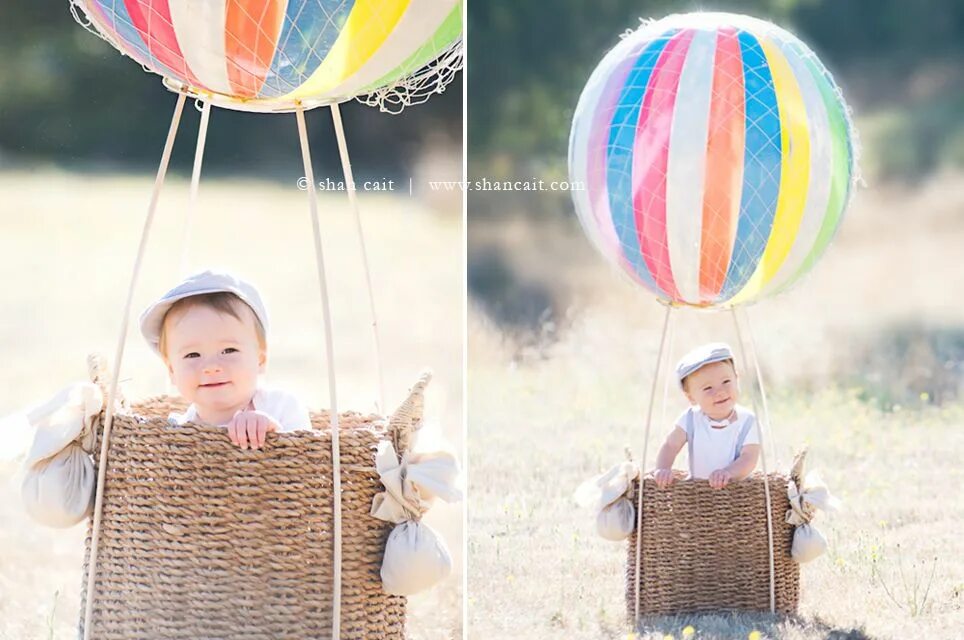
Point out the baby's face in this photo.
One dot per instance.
(213, 358)
(714, 388)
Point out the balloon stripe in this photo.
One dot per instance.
(309, 32)
(447, 33)
(619, 155)
(724, 170)
(762, 162)
(794, 173)
(111, 16)
(589, 169)
(152, 19)
(821, 162)
(841, 163)
(651, 159)
(200, 33)
(412, 35)
(686, 165)
(366, 29)
(251, 30)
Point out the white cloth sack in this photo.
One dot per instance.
(808, 542)
(415, 556)
(415, 559)
(63, 418)
(59, 491)
(606, 488)
(606, 494)
(617, 520)
(59, 479)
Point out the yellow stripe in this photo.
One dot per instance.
(368, 25)
(794, 173)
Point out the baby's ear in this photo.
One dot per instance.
(262, 360)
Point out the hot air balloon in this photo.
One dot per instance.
(711, 159)
(716, 155)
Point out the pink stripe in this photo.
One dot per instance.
(152, 19)
(596, 164)
(651, 161)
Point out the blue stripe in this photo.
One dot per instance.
(310, 29)
(619, 154)
(120, 20)
(762, 160)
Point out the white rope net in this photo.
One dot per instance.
(417, 88)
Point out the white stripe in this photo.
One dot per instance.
(415, 27)
(686, 168)
(821, 166)
(200, 30)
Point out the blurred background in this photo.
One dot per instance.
(81, 134)
(864, 360)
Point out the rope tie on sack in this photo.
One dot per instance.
(415, 555)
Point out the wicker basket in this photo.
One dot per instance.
(200, 539)
(707, 550)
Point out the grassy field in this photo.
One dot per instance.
(855, 359)
(67, 246)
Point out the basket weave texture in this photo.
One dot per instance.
(706, 550)
(200, 539)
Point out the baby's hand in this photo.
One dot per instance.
(663, 477)
(250, 428)
(720, 478)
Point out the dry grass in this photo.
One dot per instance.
(66, 251)
(546, 413)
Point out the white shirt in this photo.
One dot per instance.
(711, 448)
(285, 408)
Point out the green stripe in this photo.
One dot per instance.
(447, 33)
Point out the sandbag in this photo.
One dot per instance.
(59, 491)
(616, 521)
(808, 543)
(415, 559)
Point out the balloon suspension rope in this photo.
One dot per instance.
(765, 429)
(642, 462)
(202, 135)
(350, 184)
(115, 376)
(332, 389)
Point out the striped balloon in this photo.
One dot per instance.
(262, 55)
(711, 157)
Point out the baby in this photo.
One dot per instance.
(723, 437)
(210, 330)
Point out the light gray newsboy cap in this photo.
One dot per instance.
(700, 357)
(195, 285)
